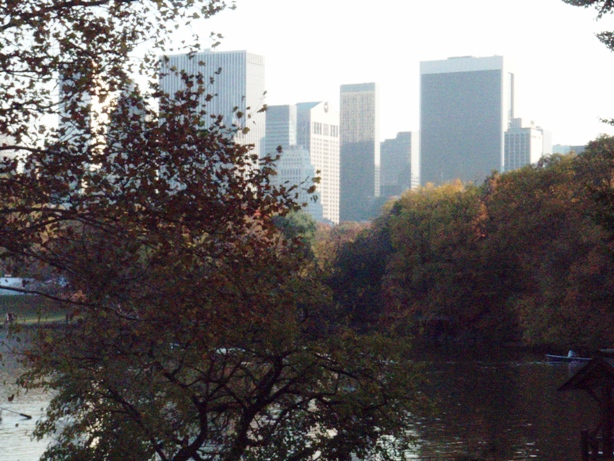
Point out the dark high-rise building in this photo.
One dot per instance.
(397, 170)
(360, 151)
(466, 106)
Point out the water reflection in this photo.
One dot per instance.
(16, 442)
(501, 407)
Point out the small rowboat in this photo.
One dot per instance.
(566, 358)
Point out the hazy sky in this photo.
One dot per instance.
(564, 75)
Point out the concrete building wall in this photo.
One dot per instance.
(295, 169)
(465, 108)
(313, 126)
(238, 82)
(396, 169)
(360, 151)
(567, 149)
(280, 127)
(524, 145)
(318, 132)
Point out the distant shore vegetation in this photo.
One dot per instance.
(526, 258)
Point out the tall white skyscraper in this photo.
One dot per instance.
(465, 108)
(360, 151)
(313, 126)
(318, 132)
(238, 85)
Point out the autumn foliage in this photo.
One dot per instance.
(196, 323)
(525, 258)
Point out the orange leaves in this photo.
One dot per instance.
(505, 260)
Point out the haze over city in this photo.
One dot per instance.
(562, 71)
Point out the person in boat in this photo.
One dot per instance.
(572, 353)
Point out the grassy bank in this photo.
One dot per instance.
(29, 309)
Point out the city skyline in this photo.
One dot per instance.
(562, 69)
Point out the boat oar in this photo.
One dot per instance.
(17, 413)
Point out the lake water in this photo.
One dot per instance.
(503, 407)
(490, 407)
(16, 443)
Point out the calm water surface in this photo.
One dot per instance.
(490, 407)
(503, 407)
(16, 442)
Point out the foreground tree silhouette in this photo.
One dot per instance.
(194, 328)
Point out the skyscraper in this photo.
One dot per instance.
(360, 151)
(313, 126)
(466, 106)
(397, 170)
(238, 85)
(295, 168)
(525, 145)
(318, 132)
(280, 127)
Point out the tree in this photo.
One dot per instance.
(329, 241)
(436, 271)
(595, 171)
(549, 262)
(194, 328)
(298, 225)
(357, 273)
(602, 6)
(518, 259)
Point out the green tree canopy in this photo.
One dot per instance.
(436, 271)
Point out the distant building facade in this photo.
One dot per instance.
(313, 126)
(525, 145)
(396, 164)
(567, 149)
(238, 82)
(466, 107)
(360, 151)
(294, 168)
(318, 132)
(280, 127)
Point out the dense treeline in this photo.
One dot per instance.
(527, 257)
